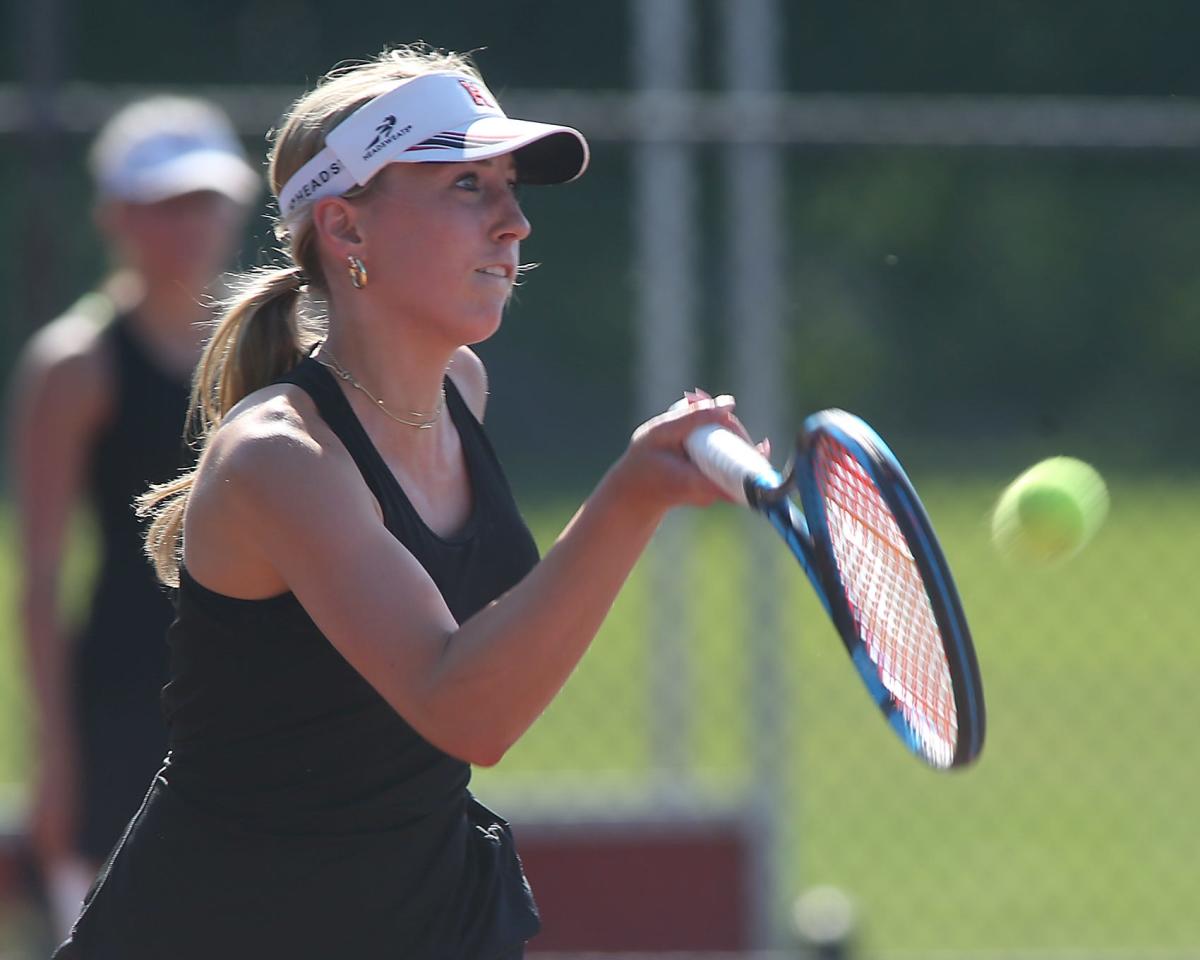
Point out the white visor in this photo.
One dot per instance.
(166, 146)
(436, 117)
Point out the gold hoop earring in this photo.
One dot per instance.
(358, 272)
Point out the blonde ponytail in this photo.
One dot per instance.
(259, 339)
(261, 336)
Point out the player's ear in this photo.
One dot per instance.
(336, 222)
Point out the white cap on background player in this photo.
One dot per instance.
(167, 146)
(435, 117)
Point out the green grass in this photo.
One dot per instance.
(1076, 828)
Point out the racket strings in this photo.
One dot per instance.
(887, 598)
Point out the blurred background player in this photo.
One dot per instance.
(98, 413)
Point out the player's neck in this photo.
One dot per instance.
(406, 372)
(172, 322)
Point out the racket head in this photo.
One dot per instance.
(889, 589)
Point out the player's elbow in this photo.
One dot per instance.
(460, 729)
(481, 744)
(486, 749)
(477, 755)
(487, 758)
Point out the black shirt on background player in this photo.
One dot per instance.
(309, 819)
(120, 657)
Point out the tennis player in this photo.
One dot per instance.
(362, 614)
(99, 405)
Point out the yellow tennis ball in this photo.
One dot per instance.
(1050, 511)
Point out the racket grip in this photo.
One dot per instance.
(731, 463)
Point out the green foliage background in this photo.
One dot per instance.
(954, 296)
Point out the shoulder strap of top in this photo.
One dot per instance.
(477, 448)
(129, 366)
(311, 377)
(470, 431)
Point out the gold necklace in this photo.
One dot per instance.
(423, 421)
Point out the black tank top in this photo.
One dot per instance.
(298, 814)
(119, 662)
(141, 444)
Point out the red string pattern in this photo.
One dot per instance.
(888, 600)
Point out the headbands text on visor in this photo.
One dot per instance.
(433, 117)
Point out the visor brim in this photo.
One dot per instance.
(545, 153)
(208, 170)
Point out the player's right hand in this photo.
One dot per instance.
(656, 471)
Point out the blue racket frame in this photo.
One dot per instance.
(806, 532)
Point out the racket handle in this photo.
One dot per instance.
(731, 463)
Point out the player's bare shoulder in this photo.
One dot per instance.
(272, 480)
(470, 377)
(273, 439)
(69, 348)
(66, 365)
(270, 463)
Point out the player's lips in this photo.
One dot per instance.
(505, 271)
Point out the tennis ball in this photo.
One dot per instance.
(1050, 511)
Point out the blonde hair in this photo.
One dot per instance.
(263, 331)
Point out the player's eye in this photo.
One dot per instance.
(468, 181)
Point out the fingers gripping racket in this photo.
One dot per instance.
(866, 544)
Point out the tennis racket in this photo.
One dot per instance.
(862, 536)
